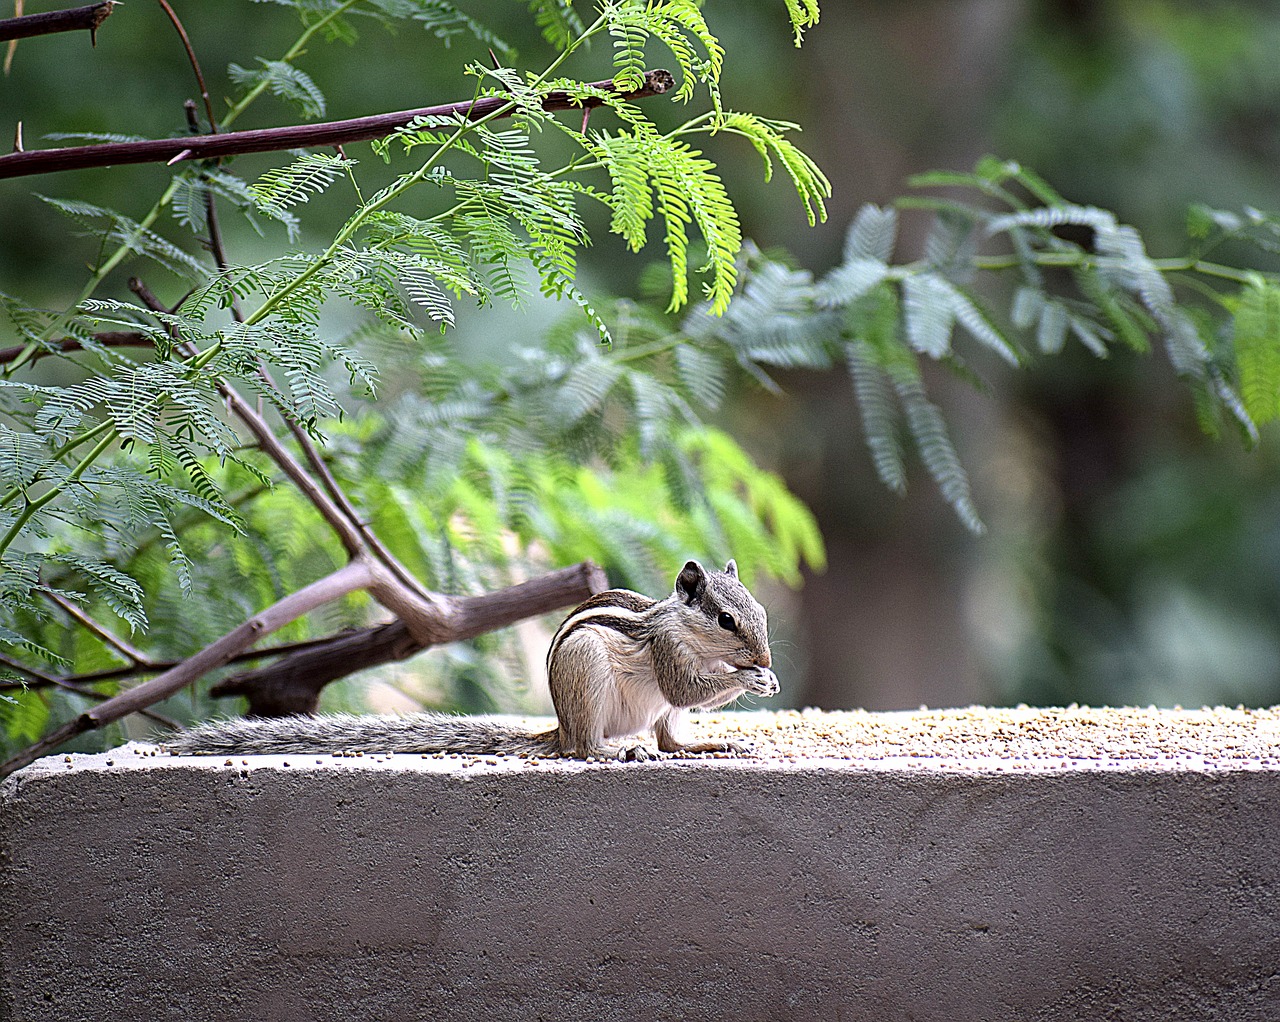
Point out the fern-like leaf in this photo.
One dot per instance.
(849, 282)
(803, 14)
(114, 228)
(1257, 347)
(1047, 217)
(929, 431)
(667, 21)
(926, 303)
(701, 374)
(688, 189)
(874, 391)
(285, 81)
(872, 234)
(628, 27)
(557, 20)
(769, 139)
(308, 175)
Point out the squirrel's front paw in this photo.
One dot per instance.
(759, 681)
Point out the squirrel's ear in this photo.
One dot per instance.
(691, 581)
(731, 568)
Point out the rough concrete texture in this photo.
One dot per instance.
(1055, 865)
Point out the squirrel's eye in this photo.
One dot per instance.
(727, 622)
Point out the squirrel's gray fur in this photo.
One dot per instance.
(621, 664)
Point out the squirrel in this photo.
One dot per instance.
(621, 664)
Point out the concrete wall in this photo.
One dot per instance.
(145, 887)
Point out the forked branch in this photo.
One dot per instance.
(293, 683)
(357, 574)
(458, 618)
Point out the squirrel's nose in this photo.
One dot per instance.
(764, 660)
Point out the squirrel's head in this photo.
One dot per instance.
(723, 616)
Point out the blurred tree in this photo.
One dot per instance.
(1143, 107)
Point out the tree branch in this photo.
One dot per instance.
(193, 61)
(42, 680)
(465, 618)
(108, 339)
(293, 683)
(302, 136)
(356, 574)
(125, 649)
(74, 19)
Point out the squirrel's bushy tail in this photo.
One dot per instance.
(345, 732)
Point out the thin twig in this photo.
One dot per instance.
(121, 646)
(371, 539)
(75, 19)
(156, 666)
(195, 64)
(45, 680)
(356, 574)
(108, 339)
(302, 136)
(42, 680)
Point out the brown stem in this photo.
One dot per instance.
(109, 339)
(121, 646)
(271, 446)
(347, 534)
(356, 574)
(339, 497)
(293, 683)
(195, 64)
(330, 133)
(74, 19)
(42, 680)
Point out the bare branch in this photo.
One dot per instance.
(108, 339)
(293, 683)
(195, 64)
(463, 618)
(75, 19)
(356, 574)
(121, 646)
(303, 136)
(42, 680)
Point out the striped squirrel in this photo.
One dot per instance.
(621, 664)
